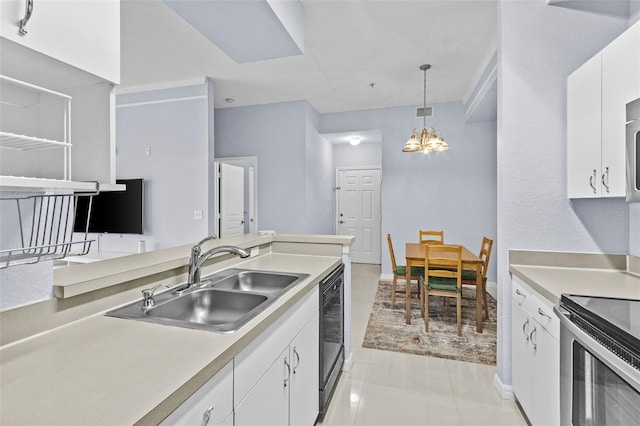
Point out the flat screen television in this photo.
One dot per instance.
(117, 212)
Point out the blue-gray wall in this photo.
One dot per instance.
(292, 188)
(320, 177)
(538, 47)
(454, 190)
(365, 154)
(176, 172)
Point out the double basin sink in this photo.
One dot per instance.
(221, 302)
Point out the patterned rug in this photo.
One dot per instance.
(387, 328)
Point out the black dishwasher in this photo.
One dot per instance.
(331, 334)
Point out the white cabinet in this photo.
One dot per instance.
(268, 402)
(597, 94)
(212, 404)
(620, 85)
(71, 47)
(84, 34)
(305, 376)
(273, 381)
(584, 128)
(535, 332)
(276, 376)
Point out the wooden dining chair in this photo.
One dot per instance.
(442, 277)
(469, 275)
(400, 272)
(431, 237)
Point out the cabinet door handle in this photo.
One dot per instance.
(531, 335)
(541, 312)
(28, 10)
(605, 174)
(207, 416)
(592, 178)
(295, 351)
(286, 380)
(526, 333)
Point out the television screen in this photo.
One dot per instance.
(117, 212)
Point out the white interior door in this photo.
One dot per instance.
(230, 200)
(358, 212)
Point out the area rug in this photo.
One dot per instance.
(387, 328)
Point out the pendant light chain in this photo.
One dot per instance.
(424, 102)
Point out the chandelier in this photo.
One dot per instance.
(429, 139)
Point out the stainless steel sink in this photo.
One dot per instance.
(261, 282)
(223, 302)
(208, 306)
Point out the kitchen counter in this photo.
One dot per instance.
(103, 370)
(560, 273)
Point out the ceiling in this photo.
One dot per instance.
(348, 44)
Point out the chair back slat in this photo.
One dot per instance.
(393, 257)
(485, 254)
(443, 261)
(431, 237)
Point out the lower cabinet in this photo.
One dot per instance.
(305, 375)
(288, 392)
(536, 355)
(210, 405)
(273, 381)
(276, 377)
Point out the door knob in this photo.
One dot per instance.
(341, 221)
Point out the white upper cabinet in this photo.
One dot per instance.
(584, 128)
(620, 85)
(84, 34)
(597, 94)
(71, 47)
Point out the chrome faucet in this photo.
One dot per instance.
(197, 260)
(195, 253)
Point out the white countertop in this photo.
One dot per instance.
(103, 370)
(552, 281)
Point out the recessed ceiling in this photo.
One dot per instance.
(348, 45)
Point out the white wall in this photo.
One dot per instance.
(538, 47)
(174, 125)
(454, 190)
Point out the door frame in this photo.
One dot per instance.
(337, 198)
(251, 186)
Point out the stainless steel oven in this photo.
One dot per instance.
(599, 361)
(331, 334)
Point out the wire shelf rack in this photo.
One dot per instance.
(41, 227)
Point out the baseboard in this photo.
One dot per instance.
(348, 363)
(505, 391)
(386, 277)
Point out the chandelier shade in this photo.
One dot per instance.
(429, 139)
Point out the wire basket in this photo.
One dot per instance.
(41, 227)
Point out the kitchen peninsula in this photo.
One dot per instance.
(101, 370)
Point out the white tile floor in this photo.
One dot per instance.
(390, 388)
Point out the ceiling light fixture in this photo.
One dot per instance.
(354, 141)
(429, 139)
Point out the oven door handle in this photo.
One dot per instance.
(611, 360)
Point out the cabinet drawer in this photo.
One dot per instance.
(216, 393)
(252, 363)
(522, 294)
(536, 305)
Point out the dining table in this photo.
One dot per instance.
(414, 254)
